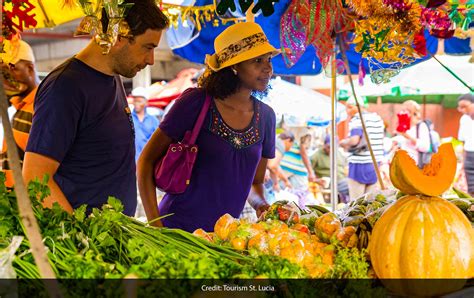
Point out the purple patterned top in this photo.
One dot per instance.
(225, 166)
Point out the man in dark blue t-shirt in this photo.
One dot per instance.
(82, 133)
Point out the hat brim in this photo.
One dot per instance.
(263, 49)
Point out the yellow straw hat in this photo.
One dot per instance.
(238, 43)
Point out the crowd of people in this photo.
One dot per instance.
(299, 166)
(77, 128)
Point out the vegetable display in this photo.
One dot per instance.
(400, 236)
(423, 235)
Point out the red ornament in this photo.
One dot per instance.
(21, 15)
(404, 121)
(419, 44)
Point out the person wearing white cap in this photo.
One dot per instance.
(18, 65)
(145, 124)
(82, 135)
(362, 177)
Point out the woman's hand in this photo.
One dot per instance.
(262, 210)
(157, 223)
(276, 187)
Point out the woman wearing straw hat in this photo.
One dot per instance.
(235, 141)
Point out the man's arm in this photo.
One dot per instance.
(307, 164)
(36, 166)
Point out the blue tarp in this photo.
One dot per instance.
(203, 43)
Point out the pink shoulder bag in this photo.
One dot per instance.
(173, 171)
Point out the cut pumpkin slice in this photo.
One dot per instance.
(433, 180)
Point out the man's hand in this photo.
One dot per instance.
(312, 177)
(36, 166)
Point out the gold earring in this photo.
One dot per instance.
(235, 71)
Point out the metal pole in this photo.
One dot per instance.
(27, 216)
(333, 145)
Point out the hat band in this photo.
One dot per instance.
(241, 46)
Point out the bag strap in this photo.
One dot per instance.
(429, 134)
(200, 120)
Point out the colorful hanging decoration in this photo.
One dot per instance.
(314, 23)
(385, 33)
(462, 14)
(115, 10)
(10, 48)
(91, 22)
(117, 26)
(293, 33)
(198, 15)
(438, 22)
(266, 6)
(17, 15)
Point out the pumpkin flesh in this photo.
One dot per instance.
(433, 180)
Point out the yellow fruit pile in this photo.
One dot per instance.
(316, 252)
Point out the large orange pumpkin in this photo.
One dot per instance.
(421, 235)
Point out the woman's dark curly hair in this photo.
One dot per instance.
(223, 83)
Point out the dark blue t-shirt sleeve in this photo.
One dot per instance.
(268, 146)
(58, 110)
(183, 114)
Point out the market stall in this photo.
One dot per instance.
(286, 243)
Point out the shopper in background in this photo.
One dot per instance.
(362, 177)
(235, 142)
(466, 135)
(321, 164)
(296, 165)
(144, 123)
(283, 144)
(21, 85)
(418, 139)
(82, 135)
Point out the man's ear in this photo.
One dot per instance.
(121, 42)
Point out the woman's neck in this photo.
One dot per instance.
(242, 96)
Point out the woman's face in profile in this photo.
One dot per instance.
(255, 73)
